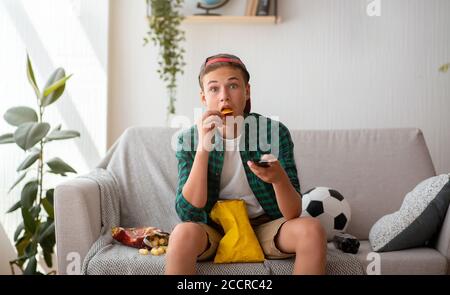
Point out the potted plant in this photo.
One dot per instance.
(36, 232)
(164, 31)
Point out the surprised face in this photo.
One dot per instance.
(224, 90)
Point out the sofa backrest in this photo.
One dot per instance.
(373, 169)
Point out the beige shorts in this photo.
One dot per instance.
(266, 231)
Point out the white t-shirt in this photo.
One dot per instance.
(233, 181)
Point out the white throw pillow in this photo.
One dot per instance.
(420, 217)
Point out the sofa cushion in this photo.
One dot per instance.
(338, 263)
(416, 261)
(116, 259)
(419, 218)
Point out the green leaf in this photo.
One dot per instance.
(49, 231)
(18, 231)
(14, 207)
(18, 115)
(48, 243)
(28, 134)
(48, 258)
(31, 79)
(18, 180)
(49, 195)
(29, 194)
(35, 211)
(28, 221)
(29, 160)
(22, 243)
(59, 166)
(56, 172)
(31, 266)
(54, 87)
(31, 249)
(45, 225)
(62, 134)
(444, 68)
(7, 138)
(48, 206)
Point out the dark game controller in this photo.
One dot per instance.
(346, 242)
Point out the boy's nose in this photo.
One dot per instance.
(224, 95)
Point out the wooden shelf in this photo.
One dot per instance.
(198, 19)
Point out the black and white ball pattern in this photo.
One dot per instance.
(330, 207)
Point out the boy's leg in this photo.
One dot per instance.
(305, 237)
(188, 243)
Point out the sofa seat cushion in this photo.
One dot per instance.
(117, 259)
(414, 261)
(338, 263)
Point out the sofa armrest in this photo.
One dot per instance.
(443, 242)
(77, 222)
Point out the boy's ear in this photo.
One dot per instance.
(202, 98)
(247, 92)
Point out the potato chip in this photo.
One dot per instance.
(227, 111)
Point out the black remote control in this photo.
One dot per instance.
(346, 242)
(262, 163)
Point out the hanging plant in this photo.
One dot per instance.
(164, 23)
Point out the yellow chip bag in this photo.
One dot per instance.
(239, 244)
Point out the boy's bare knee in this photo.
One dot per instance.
(309, 228)
(188, 236)
(186, 231)
(316, 228)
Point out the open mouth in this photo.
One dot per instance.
(226, 111)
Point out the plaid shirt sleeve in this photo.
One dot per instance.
(185, 155)
(287, 157)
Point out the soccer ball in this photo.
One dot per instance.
(330, 207)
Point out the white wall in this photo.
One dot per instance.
(57, 33)
(328, 65)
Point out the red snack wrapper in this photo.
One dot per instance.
(140, 237)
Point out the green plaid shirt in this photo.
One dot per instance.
(277, 141)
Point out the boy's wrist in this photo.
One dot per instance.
(201, 150)
(282, 180)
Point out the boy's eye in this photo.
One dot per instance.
(233, 86)
(213, 89)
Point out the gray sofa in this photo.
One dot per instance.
(372, 168)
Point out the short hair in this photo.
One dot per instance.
(222, 60)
